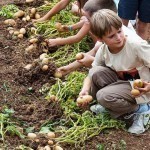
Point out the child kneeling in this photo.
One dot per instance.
(119, 61)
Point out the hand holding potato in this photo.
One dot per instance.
(84, 100)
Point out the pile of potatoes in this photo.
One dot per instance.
(50, 136)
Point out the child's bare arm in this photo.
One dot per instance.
(72, 39)
(86, 86)
(57, 8)
(69, 68)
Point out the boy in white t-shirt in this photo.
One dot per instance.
(118, 61)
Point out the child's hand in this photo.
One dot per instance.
(53, 42)
(87, 60)
(64, 70)
(83, 92)
(145, 89)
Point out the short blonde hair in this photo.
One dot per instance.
(102, 22)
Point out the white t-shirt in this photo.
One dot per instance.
(135, 55)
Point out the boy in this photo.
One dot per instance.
(120, 59)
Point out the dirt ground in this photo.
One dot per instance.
(31, 107)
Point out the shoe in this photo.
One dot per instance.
(97, 109)
(140, 121)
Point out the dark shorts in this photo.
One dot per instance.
(128, 9)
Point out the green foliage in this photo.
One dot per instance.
(68, 89)
(7, 126)
(78, 126)
(8, 11)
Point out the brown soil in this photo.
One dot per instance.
(29, 104)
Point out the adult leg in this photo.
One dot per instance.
(142, 29)
(143, 22)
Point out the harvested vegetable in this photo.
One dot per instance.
(45, 68)
(79, 56)
(84, 99)
(58, 74)
(32, 136)
(19, 14)
(51, 135)
(138, 83)
(11, 22)
(135, 92)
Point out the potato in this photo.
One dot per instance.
(50, 142)
(58, 26)
(30, 48)
(42, 56)
(53, 98)
(46, 2)
(135, 92)
(22, 31)
(24, 19)
(58, 74)
(79, 56)
(10, 28)
(32, 135)
(47, 147)
(83, 99)
(16, 32)
(51, 135)
(138, 83)
(37, 16)
(45, 68)
(34, 40)
(19, 14)
(20, 36)
(58, 148)
(29, 1)
(33, 10)
(28, 18)
(33, 30)
(10, 22)
(45, 61)
(37, 140)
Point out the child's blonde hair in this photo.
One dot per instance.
(102, 22)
